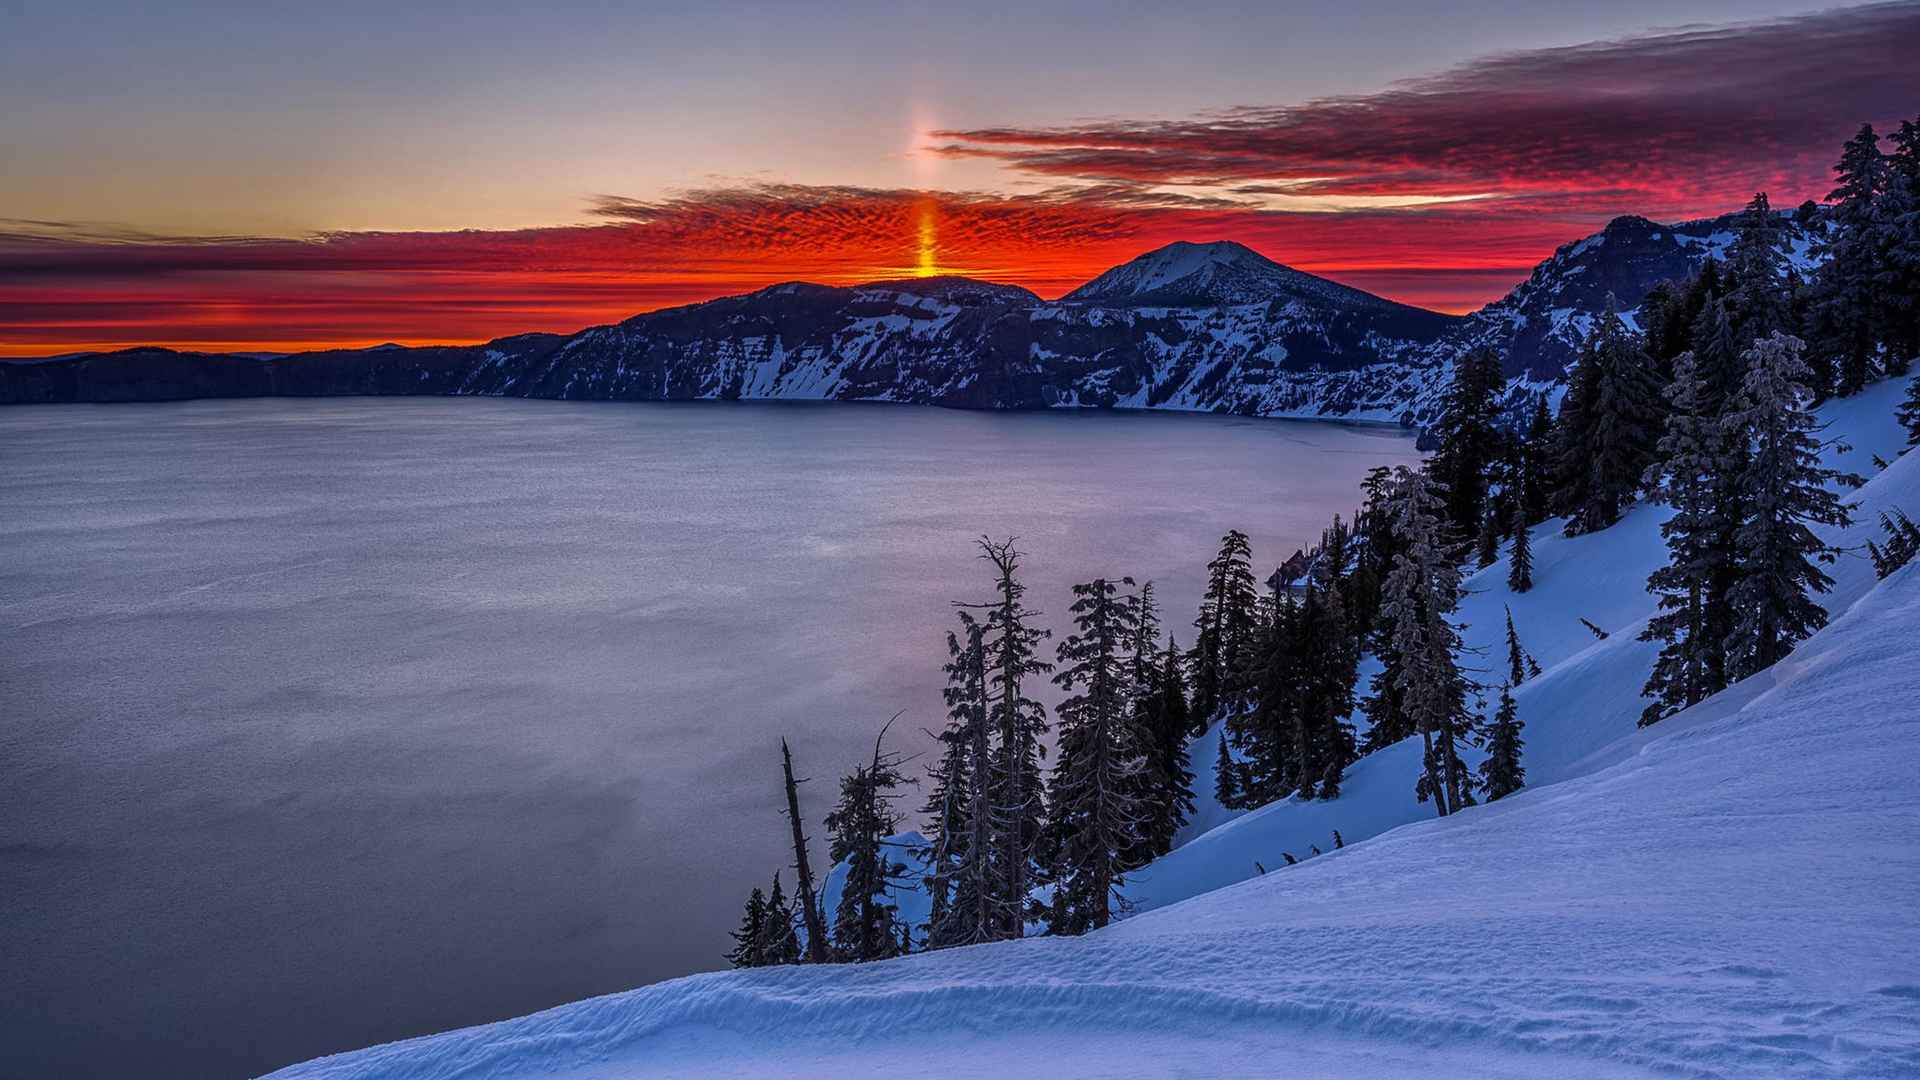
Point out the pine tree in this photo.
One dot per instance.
(1098, 815)
(1264, 735)
(1850, 307)
(1161, 714)
(1903, 543)
(1783, 489)
(1521, 666)
(750, 939)
(1469, 438)
(1502, 774)
(1900, 220)
(950, 803)
(970, 905)
(1607, 447)
(1694, 617)
(1534, 485)
(1520, 566)
(1226, 779)
(1570, 463)
(1422, 591)
(866, 924)
(1718, 361)
(780, 944)
(1756, 272)
(1487, 543)
(1373, 561)
(1012, 652)
(1226, 625)
(1910, 413)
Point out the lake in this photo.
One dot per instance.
(330, 722)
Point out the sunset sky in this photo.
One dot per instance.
(269, 177)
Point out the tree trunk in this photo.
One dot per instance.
(1433, 779)
(816, 928)
(978, 862)
(1016, 840)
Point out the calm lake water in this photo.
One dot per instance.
(327, 723)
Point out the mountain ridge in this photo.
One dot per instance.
(1212, 326)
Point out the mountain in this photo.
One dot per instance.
(1538, 326)
(1160, 335)
(1724, 895)
(1209, 327)
(1220, 274)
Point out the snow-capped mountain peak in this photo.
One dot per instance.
(1222, 272)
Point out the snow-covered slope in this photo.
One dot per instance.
(1726, 894)
(1589, 693)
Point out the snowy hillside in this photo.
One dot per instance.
(1726, 894)
(1538, 327)
(1577, 710)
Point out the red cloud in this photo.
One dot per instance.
(1673, 125)
(1668, 125)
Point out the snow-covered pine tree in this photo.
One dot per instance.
(749, 942)
(1618, 431)
(1901, 218)
(1502, 773)
(1098, 814)
(1387, 721)
(1692, 477)
(1012, 653)
(1520, 565)
(1784, 490)
(964, 880)
(1226, 624)
(1470, 440)
(1756, 272)
(1718, 358)
(1849, 309)
(866, 923)
(1420, 594)
(1373, 557)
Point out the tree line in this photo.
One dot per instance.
(1700, 398)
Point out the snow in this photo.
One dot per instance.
(1726, 894)
(1575, 711)
(1225, 272)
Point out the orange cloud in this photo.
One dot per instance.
(65, 288)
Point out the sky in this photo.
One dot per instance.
(268, 177)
